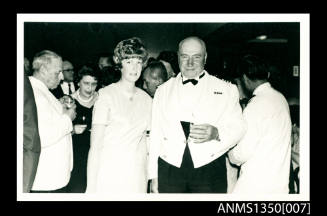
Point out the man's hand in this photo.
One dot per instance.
(154, 186)
(203, 133)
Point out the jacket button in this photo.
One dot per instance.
(212, 155)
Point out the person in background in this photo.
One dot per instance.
(27, 67)
(105, 60)
(170, 60)
(140, 82)
(121, 117)
(107, 76)
(108, 72)
(55, 125)
(67, 86)
(294, 184)
(264, 152)
(232, 169)
(85, 97)
(244, 98)
(151, 59)
(31, 138)
(154, 75)
(196, 119)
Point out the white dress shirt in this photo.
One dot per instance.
(264, 151)
(189, 95)
(212, 101)
(56, 161)
(65, 87)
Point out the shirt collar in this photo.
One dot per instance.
(196, 78)
(38, 83)
(66, 84)
(261, 88)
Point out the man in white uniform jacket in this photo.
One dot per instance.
(264, 153)
(55, 125)
(208, 111)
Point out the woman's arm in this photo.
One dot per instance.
(97, 136)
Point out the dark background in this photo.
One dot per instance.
(226, 42)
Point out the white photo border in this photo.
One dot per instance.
(303, 19)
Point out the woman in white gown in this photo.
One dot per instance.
(121, 116)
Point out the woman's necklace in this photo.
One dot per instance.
(130, 95)
(83, 100)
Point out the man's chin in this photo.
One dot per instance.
(189, 74)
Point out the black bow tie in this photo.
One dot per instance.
(193, 81)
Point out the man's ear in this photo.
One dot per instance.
(245, 78)
(205, 58)
(115, 58)
(43, 70)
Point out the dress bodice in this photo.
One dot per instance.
(83, 115)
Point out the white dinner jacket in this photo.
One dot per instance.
(264, 152)
(218, 106)
(56, 158)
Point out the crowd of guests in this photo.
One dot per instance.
(127, 123)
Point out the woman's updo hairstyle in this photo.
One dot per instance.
(130, 48)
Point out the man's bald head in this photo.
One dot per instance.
(193, 39)
(192, 56)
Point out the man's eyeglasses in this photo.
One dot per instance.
(68, 70)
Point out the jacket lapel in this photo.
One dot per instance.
(203, 99)
(172, 107)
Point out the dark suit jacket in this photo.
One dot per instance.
(31, 139)
(58, 92)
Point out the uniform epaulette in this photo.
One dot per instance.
(226, 81)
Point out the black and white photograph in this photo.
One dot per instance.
(163, 107)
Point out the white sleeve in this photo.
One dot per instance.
(155, 136)
(101, 109)
(247, 145)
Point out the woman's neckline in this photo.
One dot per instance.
(129, 95)
(86, 103)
